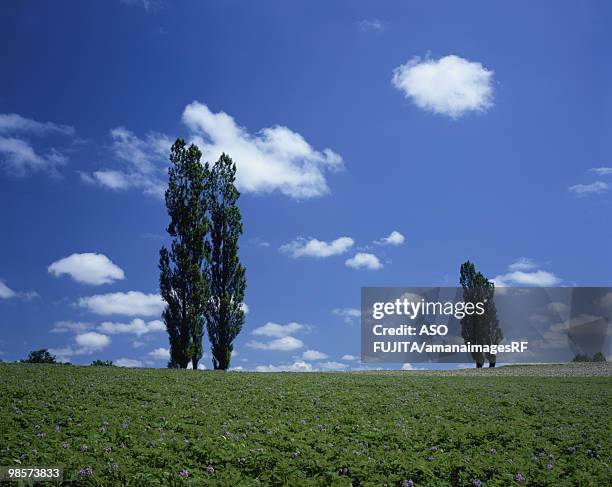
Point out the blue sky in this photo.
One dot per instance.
(473, 130)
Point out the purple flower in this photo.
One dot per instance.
(408, 483)
(124, 425)
(114, 466)
(541, 454)
(571, 449)
(184, 473)
(493, 451)
(519, 478)
(549, 466)
(57, 428)
(296, 454)
(210, 469)
(343, 471)
(108, 449)
(83, 448)
(476, 483)
(430, 458)
(86, 472)
(64, 445)
(434, 448)
(102, 429)
(550, 456)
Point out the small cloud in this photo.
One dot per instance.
(284, 344)
(298, 366)
(70, 326)
(127, 362)
(314, 355)
(394, 238)
(523, 272)
(137, 327)
(349, 314)
(333, 366)
(450, 86)
(92, 340)
(350, 358)
(160, 353)
(523, 264)
(364, 260)
(87, 268)
(588, 189)
(302, 247)
(275, 330)
(602, 171)
(372, 25)
(7, 293)
(130, 303)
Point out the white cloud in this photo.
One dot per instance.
(18, 154)
(349, 314)
(137, 327)
(301, 247)
(6, 292)
(364, 260)
(298, 366)
(129, 304)
(350, 358)
(13, 123)
(87, 268)
(587, 189)
(127, 362)
(394, 238)
(92, 340)
(523, 272)
(275, 330)
(523, 264)
(333, 366)
(274, 159)
(371, 25)
(160, 353)
(314, 355)
(283, 344)
(70, 326)
(450, 86)
(602, 171)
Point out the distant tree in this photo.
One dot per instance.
(102, 363)
(599, 357)
(41, 356)
(479, 329)
(581, 357)
(182, 283)
(224, 272)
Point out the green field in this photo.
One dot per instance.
(145, 427)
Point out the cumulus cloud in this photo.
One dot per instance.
(277, 331)
(283, 344)
(131, 303)
(274, 159)
(523, 272)
(364, 260)
(298, 366)
(70, 326)
(137, 327)
(160, 353)
(394, 238)
(450, 86)
(333, 366)
(301, 247)
(127, 362)
(349, 314)
(588, 189)
(92, 340)
(17, 153)
(87, 268)
(350, 358)
(314, 355)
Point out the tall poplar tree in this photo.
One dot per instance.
(182, 282)
(479, 329)
(224, 272)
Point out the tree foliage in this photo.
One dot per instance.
(224, 271)
(479, 329)
(182, 282)
(102, 363)
(41, 356)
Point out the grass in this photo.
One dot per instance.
(145, 427)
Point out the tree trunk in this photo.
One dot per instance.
(491, 364)
(194, 362)
(479, 365)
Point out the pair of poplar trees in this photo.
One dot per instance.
(202, 280)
